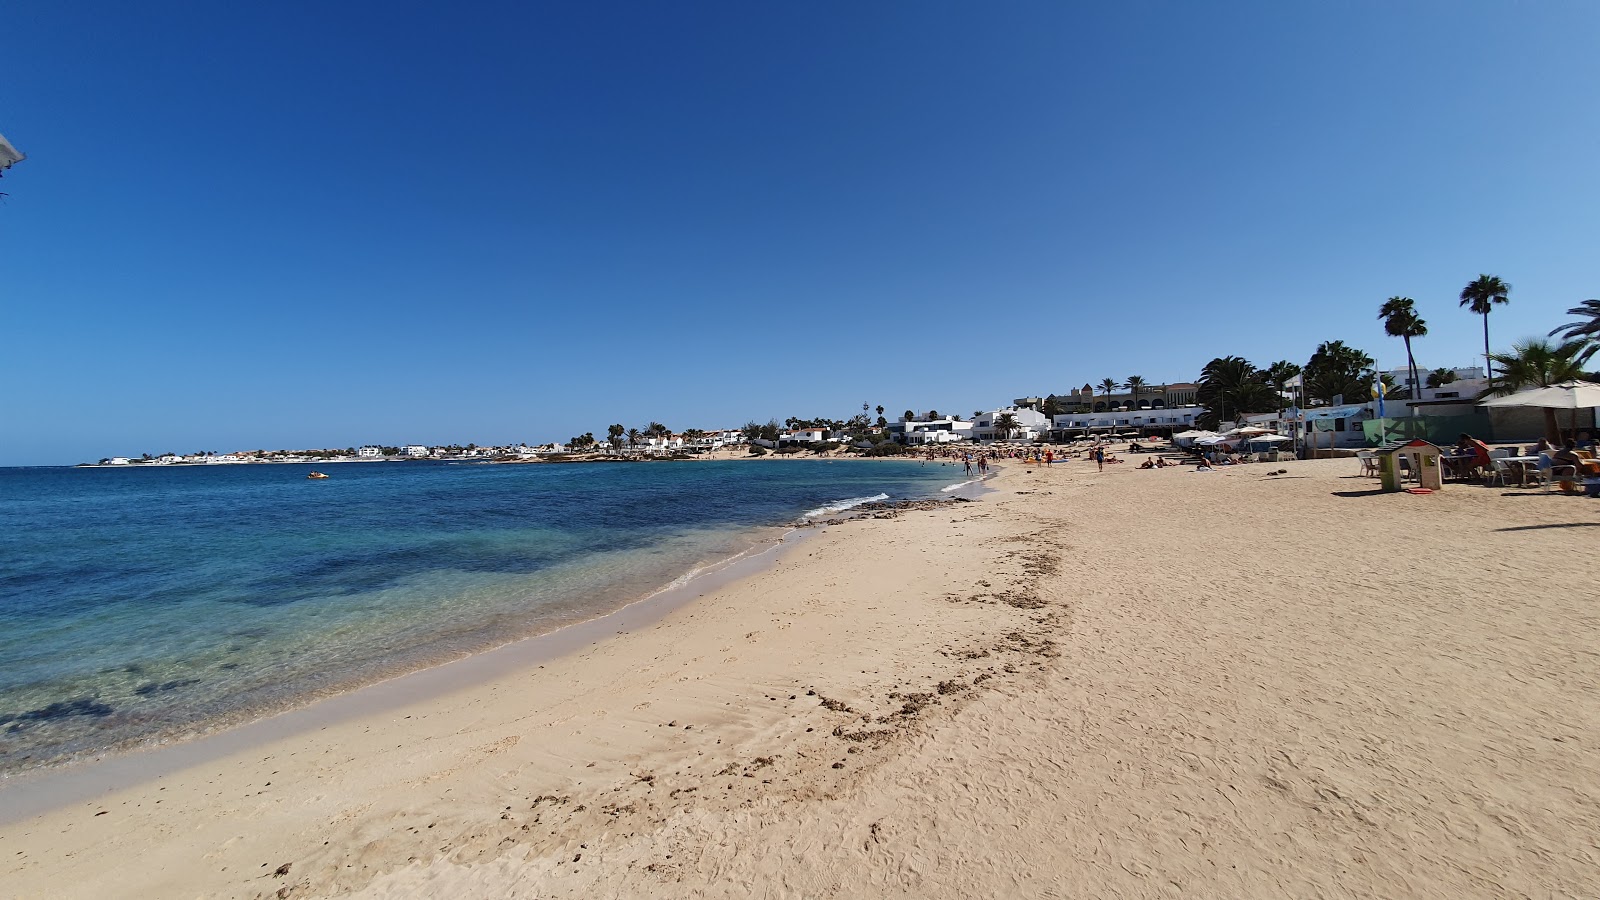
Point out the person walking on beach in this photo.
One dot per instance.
(1100, 457)
(967, 460)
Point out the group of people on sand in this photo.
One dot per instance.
(1472, 456)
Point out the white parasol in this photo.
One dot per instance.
(1566, 395)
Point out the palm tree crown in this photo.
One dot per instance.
(1005, 424)
(1586, 329)
(1400, 319)
(1482, 295)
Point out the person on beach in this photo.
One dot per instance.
(1568, 456)
(1100, 458)
(1049, 458)
(967, 460)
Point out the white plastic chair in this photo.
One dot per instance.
(1369, 462)
(1501, 469)
(1549, 472)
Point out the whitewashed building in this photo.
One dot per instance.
(1030, 424)
(416, 450)
(369, 452)
(1159, 421)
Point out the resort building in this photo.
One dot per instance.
(416, 450)
(369, 452)
(1085, 399)
(1149, 421)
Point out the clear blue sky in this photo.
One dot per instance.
(297, 224)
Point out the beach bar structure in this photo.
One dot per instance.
(1421, 457)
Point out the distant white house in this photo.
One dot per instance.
(415, 450)
(802, 436)
(370, 452)
(169, 459)
(117, 461)
(223, 459)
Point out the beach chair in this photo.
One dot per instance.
(1369, 462)
(1500, 471)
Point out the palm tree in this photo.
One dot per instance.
(1230, 384)
(1586, 331)
(1109, 386)
(1136, 386)
(880, 409)
(1337, 369)
(1480, 296)
(1438, 378)
(1538, 363)
(1005, 424)
(1400, 319)
(634, 436)
(910, 416)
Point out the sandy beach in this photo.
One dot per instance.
(1120, 684)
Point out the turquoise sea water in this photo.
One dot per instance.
(149, 602)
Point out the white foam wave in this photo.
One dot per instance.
(955, 487)
(842, 505)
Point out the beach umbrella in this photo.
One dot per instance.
(1248, 430)
(1566, 395)
(1270, 439)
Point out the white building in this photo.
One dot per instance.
(1162, 421)
(414, 450)
(1030, 424)
(117, 461)
(931, 431)
(803, 436)
(369, 452)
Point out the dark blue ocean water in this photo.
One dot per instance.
(143, 603)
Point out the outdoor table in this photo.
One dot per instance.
(1522, 463)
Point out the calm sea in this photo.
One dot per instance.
(144, 603)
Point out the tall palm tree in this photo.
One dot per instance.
(1136, 385)
(1586, 329)
(1400, 319)
(634, 437)
(1534, 364)
(1481, 296)
(1109, 386)
(1438, 378)
(880, 409)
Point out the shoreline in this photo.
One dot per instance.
(56, 782)
(36, 791)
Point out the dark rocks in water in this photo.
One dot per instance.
(61, 709)
(907, 505)
(145, 690)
